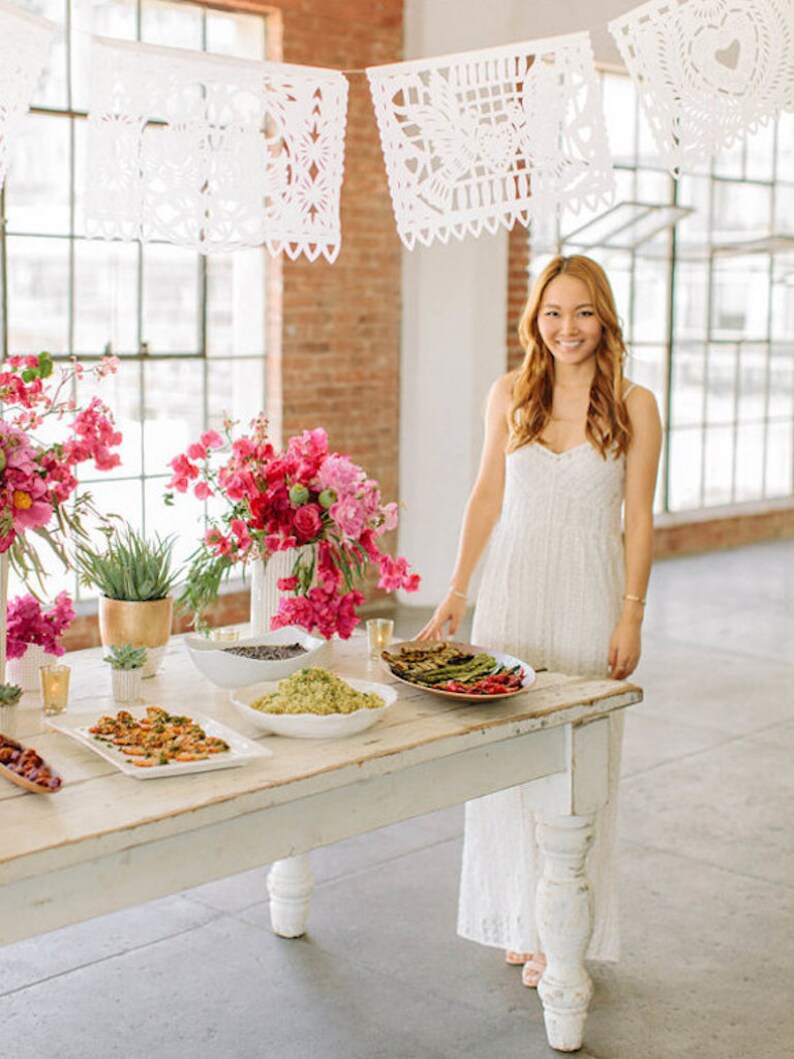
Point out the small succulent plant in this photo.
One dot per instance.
(10, 694)
(126, 656)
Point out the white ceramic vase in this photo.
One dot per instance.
(127, 685)
(24, 671)
(265, 595)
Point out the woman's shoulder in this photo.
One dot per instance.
(637, 397)
(504, 386)
(643, 412)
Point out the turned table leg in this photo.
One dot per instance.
(565, 923)
(290, 884)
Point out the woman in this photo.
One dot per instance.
(568, 443)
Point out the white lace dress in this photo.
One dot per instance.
(551, 594)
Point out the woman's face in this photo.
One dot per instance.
(567, 321)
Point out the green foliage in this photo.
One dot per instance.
(204, 576)
(126, 656)
(10, 694)
(132, 568)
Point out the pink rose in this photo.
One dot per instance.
(349, 515)
(307, 522)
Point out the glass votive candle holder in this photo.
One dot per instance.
(54, 687)
(225, 635)
(379, 634)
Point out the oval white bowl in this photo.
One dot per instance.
(227, 670)
(312, 725)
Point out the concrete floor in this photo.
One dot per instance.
(707, 893)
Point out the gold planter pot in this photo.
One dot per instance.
(143, 624)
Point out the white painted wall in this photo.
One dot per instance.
(455, 298)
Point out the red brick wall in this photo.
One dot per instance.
(517, 291)
(340, 337)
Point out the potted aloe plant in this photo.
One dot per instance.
(126, 664)
(135, 577)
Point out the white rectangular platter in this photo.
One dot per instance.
(241, 751)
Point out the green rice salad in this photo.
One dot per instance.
(316, 691)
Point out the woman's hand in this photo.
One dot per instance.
(448, 613)
(624, 649)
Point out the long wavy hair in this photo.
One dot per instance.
(607, 427)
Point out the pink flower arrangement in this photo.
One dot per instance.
(303, 497)
(36, 478)
(29, 623)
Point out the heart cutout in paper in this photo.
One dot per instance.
(729, 56)
(725, 55)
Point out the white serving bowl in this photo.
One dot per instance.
(227, 670)
(312, 725)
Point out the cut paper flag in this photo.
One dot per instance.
(707, 71)
(214, 153)
(25, 42)
(487, 138)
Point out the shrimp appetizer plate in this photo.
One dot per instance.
(240, 750)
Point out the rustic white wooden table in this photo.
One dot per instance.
(107, 841)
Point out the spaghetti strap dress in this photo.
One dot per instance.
(551, 594)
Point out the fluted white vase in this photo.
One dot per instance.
(24, 671)
(265, 595)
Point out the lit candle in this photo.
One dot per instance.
(225, 635)
(379, 634)
(55, 687)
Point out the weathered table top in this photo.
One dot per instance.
(151, 837)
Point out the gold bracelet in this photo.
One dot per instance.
(635, 599)
(459, 595)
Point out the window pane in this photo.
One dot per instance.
(761, 152)
(686, 447)
(171, 302)
(651, 300)
(753, 362)
(235, 388)
(781, 381)
(176, 25)
(689, 364)
(174, 410)
(721, 384)
(38, 294)
(105, 297)
(718, 470)
(37, 186)
(180, 520)
(783, 298)
(236, 304)
(741, 297)
(780, 459)
(234, 34)
(691, 301)
(785, 143)
(749, 462)
(741, 211)
(648, 367)
(728, 161)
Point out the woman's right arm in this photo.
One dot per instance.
(482, 511)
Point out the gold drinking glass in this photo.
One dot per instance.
(55, 687)
(379, 634)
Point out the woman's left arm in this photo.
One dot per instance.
(642, 465)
